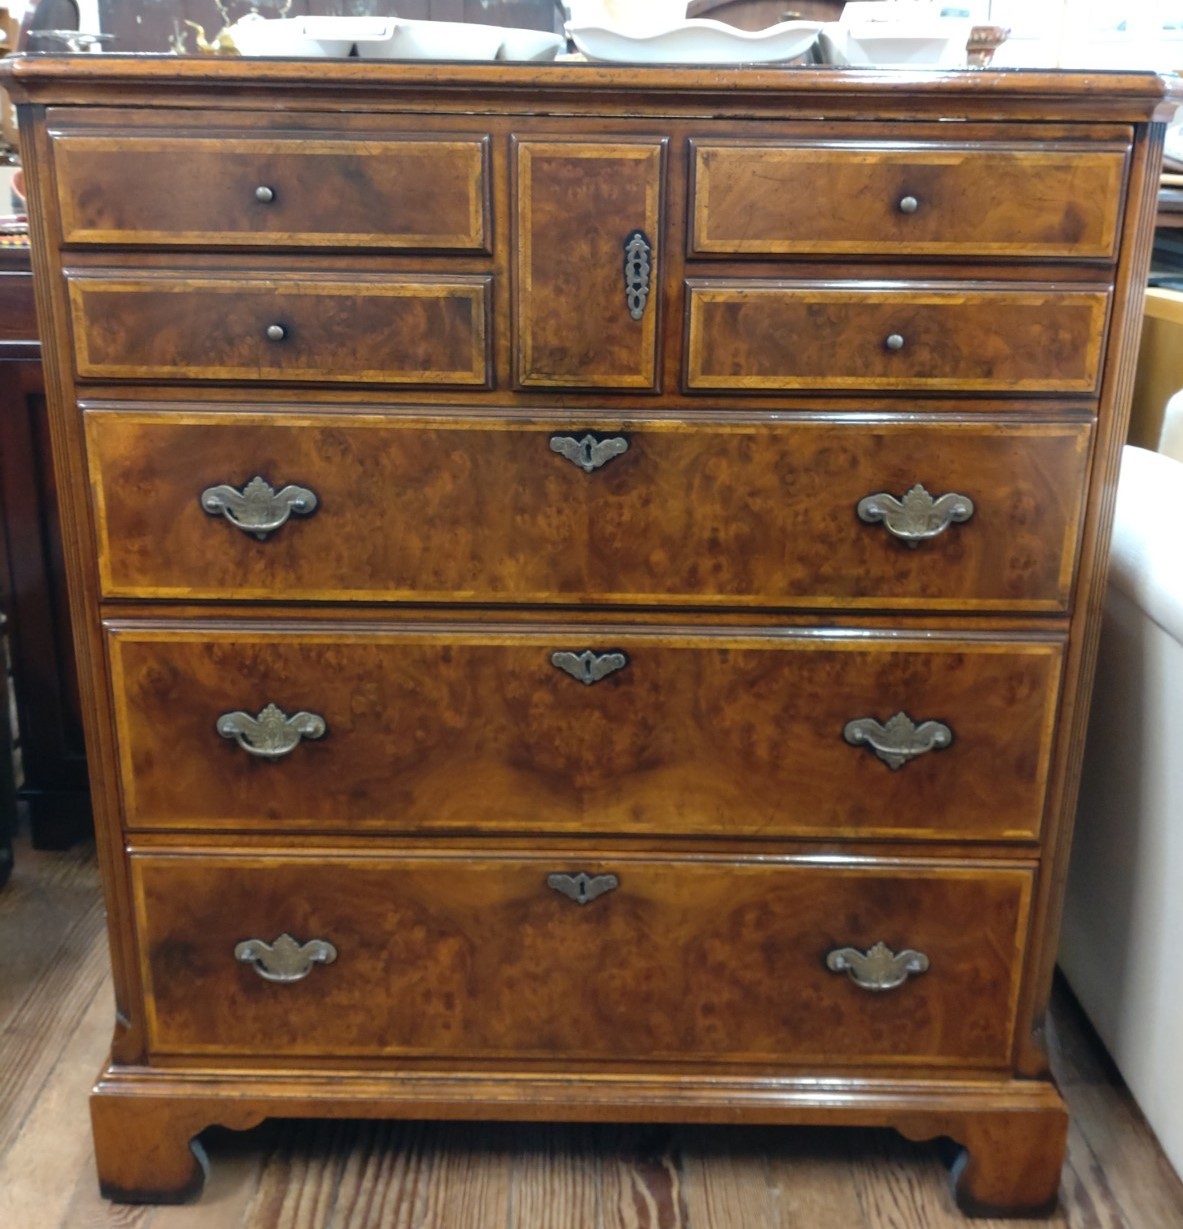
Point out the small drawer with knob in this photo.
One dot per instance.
(413, 192)
(282, 327)
(983, 513)
(438, 726)
(768, 199)
(492, 954)
(770, 336)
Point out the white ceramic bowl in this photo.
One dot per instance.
(436, 40)
(939, 43)
(256, 35)
(696, 42)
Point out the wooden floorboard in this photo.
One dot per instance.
(56, 1013)
(809, 1173)
(41, 903)
(42, 1025)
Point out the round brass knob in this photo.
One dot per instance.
(265, 195)
(276, 332)
(895, 342)
(909, 204)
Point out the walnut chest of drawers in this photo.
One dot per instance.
(587, 583)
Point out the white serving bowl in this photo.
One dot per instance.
(435, 40)
(255, 35)
(938, 43)
(696, 42)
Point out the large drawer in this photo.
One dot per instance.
(751, 336)
(577, 729)
(280, 190)
(476, 955)
(904, 199)
(482, 508)
(364, 328)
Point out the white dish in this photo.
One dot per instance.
(387, 38)
(317, 37)
(891, 34)
(696, 42)
(436, 40)
(939, 44)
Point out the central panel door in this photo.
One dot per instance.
(587, 217)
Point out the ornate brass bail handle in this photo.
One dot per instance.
(588, 667)
(899, 739)
(258, 508)
(637, 273)
(582, 888)
(272, 734)
(879, 968)
(285, 960)
(918, 516)
(590, 452)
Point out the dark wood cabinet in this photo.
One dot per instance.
(625, 657)
(53, 758)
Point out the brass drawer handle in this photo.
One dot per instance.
(272, 734)
(285, 960)
(258, 508)
(582, 888)
(909, 204)
(590, 452)
(264, 195)
(879, 968)
(918, 516)
(588, 667)
(637, 272)
(895, 341)
(899, 739)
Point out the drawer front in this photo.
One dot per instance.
(476, 956)
(762, 337)
(411, 194)
(582, 729)
(884, 200)
(384, 330)
(488, 509)
(587, 302)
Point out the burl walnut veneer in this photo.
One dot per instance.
(586, 583)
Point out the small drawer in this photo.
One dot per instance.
(283, 328)
(850, 197)
(484, 508)
(412, 193)
(579, 729)
(504, 956)
(771, 336)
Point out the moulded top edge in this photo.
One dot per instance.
(44, 78)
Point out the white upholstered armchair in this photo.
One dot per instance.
(1123, 924)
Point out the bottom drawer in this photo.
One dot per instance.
(495, 956)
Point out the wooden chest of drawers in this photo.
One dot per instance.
(587, 583)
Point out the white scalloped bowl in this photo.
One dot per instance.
(696, 42)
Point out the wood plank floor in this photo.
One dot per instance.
(55, 1021)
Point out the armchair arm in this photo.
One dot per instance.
(1147, 558)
